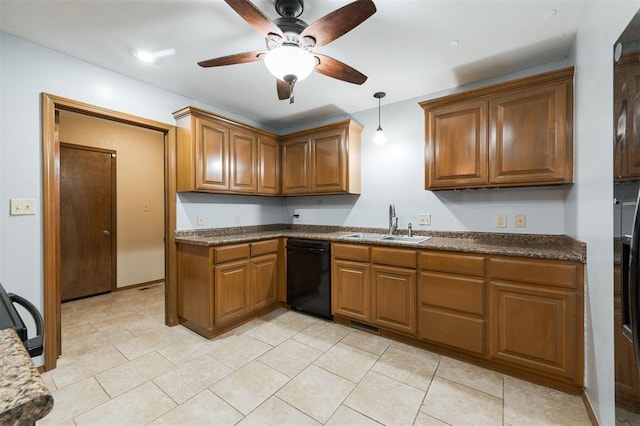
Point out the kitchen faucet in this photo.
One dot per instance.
(392, 214)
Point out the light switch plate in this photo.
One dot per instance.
(424, 219)
(22, 206)
(200, 220)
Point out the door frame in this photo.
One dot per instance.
(114, 203)
(51, 211)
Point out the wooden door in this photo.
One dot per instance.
(296, 170)
(394, 298)
(231, 291)
(264, 272)
(242, 161)
(329, 161)
(528, 136)
(87, 222)
(212, 155)
(268, 166)
(351, 296)
(456, 150)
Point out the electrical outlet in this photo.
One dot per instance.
(21, 206)
(424, 219)
(237, 219)
(521, 221)
(200, 220)
(501, 220)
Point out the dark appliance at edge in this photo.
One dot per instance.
(10, 318)
(309, 277)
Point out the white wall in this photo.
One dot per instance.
(589, 214)
(27, 70)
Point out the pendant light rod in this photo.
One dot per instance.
(379, 96)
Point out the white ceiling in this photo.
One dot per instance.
(403, 48)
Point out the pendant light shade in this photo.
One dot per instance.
(289, 63)
(379, 138)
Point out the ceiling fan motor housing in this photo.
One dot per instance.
(289, 8)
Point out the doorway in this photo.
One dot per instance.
(87, 221)
(51, 211)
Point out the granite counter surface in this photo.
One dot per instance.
(24, 398)
(558, 247)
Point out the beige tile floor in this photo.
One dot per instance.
(122, 366)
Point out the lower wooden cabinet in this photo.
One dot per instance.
(264, 271)
(351, 296)
(394, 298)
(231, 291)
(451, 296)
(375, 286)
(536, 316)
(221, 286)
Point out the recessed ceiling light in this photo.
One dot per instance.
(548, 13)
(454, 43)
(149, 57)
(145, 56)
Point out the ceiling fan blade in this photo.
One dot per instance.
(254, 17)
(334, 68)
(238, 58)
(339, 22)
(284, 89)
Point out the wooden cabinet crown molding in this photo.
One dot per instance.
(534, 80)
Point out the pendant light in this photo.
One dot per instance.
(379, 137)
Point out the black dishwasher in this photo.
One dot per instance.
(309, 277)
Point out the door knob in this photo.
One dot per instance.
(106, 233)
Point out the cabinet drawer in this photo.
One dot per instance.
(451, 329)
(264, 247)
(351, 252)
(534, 271)
(228, 253)
(394, 257)
(452, 292)
(449, 262)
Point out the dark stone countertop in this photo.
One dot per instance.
(560, 247)
(24, 398)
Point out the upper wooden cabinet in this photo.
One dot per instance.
(322, 160)
(215, 154)
(268, 165)
(518, 133)
(626, 120)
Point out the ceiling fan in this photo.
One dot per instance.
(290, 42)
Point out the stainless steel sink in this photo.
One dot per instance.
(365, 236)
(406, 239)
(386, 237)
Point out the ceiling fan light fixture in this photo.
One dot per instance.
(287, 61)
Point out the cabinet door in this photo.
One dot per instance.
(351, 295)
(394, 298)
(212, 155)
(626, 124)
(529, 141)
(534, 327)
(456, 150)
(264, 280)
(329, 171)
(242, 161)
(231, 291)
(296, 172)
(268, 166)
